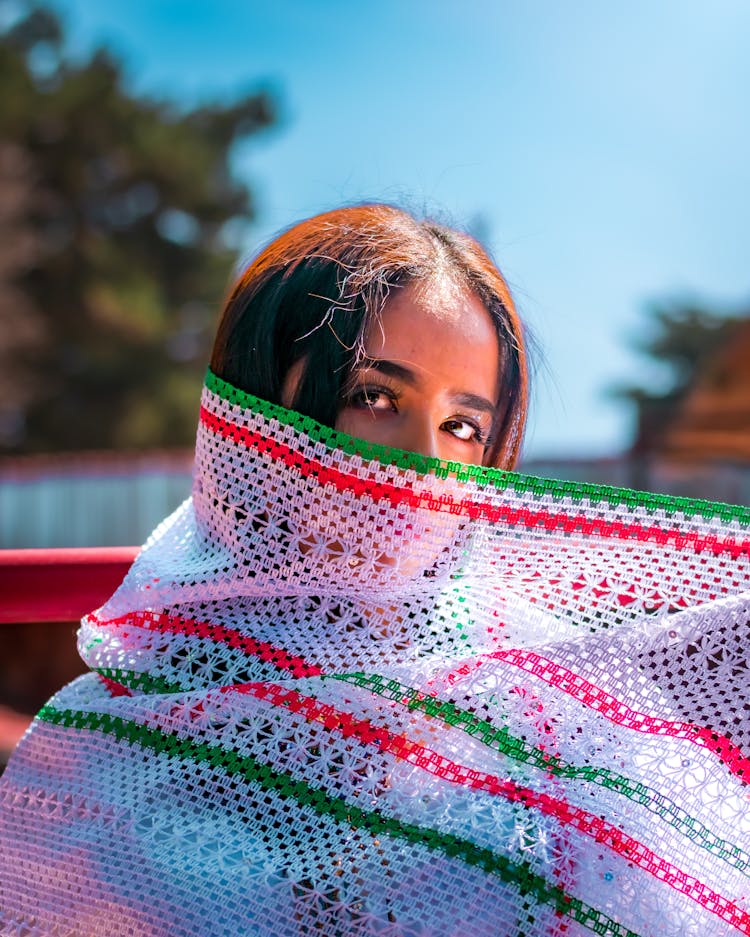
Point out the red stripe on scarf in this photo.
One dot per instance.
(592, 826)
(219, 634)
(115, 689)
(592, 696)
(618, 712)
(476, 510)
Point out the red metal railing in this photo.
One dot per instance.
(59, 585)
(40, 586)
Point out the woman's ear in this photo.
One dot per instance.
(291, 384)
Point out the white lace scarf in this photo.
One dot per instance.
(345, 690)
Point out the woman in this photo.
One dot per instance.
(363, 682)
(297, 326)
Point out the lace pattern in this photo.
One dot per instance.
(347, 690)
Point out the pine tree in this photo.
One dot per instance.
(116, 212)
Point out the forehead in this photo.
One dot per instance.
(416, 310)
(440, 330)
(442, 295)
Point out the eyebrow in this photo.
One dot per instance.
(401, 373)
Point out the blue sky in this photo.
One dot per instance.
(603, 149)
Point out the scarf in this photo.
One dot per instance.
(349, 690)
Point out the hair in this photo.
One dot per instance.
(311, 295)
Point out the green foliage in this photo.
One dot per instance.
(684, 340)
(120, 210)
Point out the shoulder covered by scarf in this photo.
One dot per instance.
(345, 690)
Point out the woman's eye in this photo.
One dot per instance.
(464, 430)
(371, 398)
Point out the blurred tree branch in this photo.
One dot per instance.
(116, 218)
(686, 340)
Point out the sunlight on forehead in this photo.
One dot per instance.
(442, 296)
(441, 315)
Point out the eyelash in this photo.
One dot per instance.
(357, 399)
(479, 437)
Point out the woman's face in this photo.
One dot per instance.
(430, 378)
(428, 383)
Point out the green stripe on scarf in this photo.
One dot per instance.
(528, 882)
(497, 478)
(500, 740)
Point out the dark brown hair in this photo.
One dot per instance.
(311, 295)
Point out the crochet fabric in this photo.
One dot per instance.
(345, 690)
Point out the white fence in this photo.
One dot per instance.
(89, 501)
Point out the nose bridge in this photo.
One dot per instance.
(421, 434)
